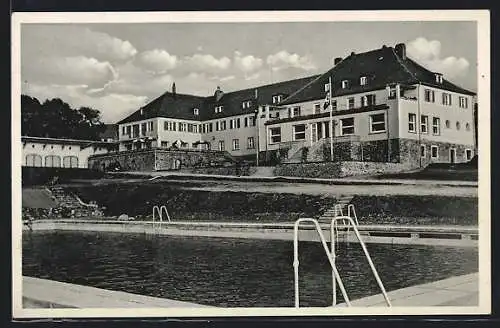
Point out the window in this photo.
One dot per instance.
(70, 161)
(250, 143)
(129, 130)
(174, 126)
(334, 104)
(33, 160)
(468, 154)
(218, 109)
(458, 125)
(164, 144)
(150, 126)
(52, 161)
(424, 123)
(363, 80)
(275, 135)
(422, 151)
(217, 127)
(231, 124)
(196, 111)
(252, 121)
(238, 125)
(350, 102)
(124, 130)
(245, 122)
(296, 111)
(368, 100)
(462, 102)
(210, 127)
(135, 130)
(429, 95)
(221, 145)
(277, 99)
(436, 126)
(236, 144)
(347, 126)
(327, 87)
(377, 123)
(439, 78)
(223, 125)
(447, 124)
(246, 104)
(446, 99)
(434, 152)
(345, 84)
(143, 129)
(317, 108)
(299, 132)
(467, 126)
(392, 93)
(165, 125)
(412, 122)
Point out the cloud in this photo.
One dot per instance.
(284, 59)
(69, 70)
(70, 40)
(113, 106)
(428, 53)
(247, 63)
(157, 61)
(206, 62)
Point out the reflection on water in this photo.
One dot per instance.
(231, 272)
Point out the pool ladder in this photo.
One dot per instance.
(331, 254)
(159, 210)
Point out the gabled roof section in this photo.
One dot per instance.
(169, 105)
(381, 67)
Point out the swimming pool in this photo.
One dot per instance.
(231, 272)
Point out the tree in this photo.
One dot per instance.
(56, 119)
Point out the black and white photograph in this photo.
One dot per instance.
(178, 164)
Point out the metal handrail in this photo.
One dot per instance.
(159, 210)
(352, 213)
(333, 226)
(330, 256)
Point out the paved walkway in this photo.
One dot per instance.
(455, 291)
(332, 187)
(43, 293)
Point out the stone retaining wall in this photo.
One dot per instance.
(337, 169)
(157, 160)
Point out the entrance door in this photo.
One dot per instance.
(452, 155)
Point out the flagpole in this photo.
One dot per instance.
(331, 117)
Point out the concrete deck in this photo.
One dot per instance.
(271, 231)
(455, 291)
(43, 293)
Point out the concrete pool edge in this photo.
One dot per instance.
(454, 291)
(386, 234)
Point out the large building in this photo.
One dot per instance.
(383, 107)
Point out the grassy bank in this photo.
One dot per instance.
(238, 206)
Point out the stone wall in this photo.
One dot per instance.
(225, 170)
(337, 169)
(410, 152)
(158, 159)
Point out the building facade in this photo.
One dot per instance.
(375, 106)
(66, 153)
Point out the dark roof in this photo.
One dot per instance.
(111, 132)
(381, 66)
(80, 142)
(168, 105)
(181, 106)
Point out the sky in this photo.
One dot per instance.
(118, 67)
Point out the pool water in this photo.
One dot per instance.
(232, 272)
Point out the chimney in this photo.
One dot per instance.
(173, 89)
(256, 93)
(142, 111)
(400, 50)
(337, 60)
(218, 94)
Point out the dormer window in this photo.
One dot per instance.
(218, 109)
(439, 78)
(363, 80)
(327, 87)
(277, 99)
(196, 111)
(246, 104)
(345, 84)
